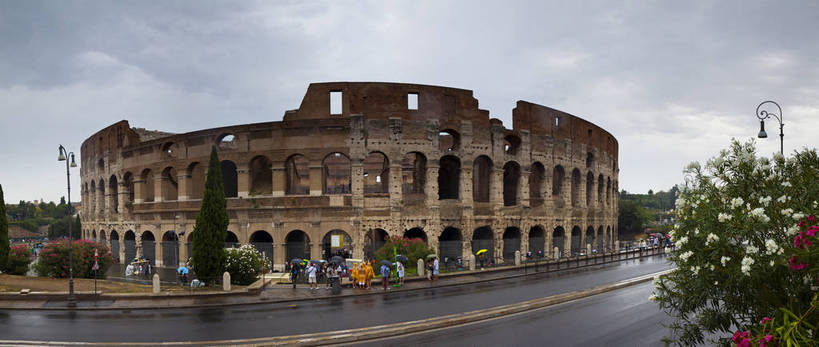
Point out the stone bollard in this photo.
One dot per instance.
(588, 249)
(617, 245)
(226, 281)
(471, 260)
(557, 253)
(420, 267)
(156, 283)
(517, 258)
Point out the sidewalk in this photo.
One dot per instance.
(255, 293)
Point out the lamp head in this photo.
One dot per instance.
(762, 133)
(73, 163)
(61, 157)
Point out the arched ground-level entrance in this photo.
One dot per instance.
(170, 249)
(416, 233)
(589, 237)
(231, 241)
(263, 242)
(511, 243)
(537, 241)
(373, 241)
(130, 246)
(297, 245)
(336, 242)
(482, 238)
(575, 250)
(115, 245)
(450, 244)
(558, 235)
(149, 247)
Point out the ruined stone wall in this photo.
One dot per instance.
(379, 165)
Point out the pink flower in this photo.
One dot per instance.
(745, 343)
(764, 320)
(796, 266)
(812, 218)
(812, 231)
(765, 340)
(736, 337)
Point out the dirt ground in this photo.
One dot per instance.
(11, 283)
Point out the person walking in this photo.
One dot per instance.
(294, 274)
(311, 276)
(354, 276)
(400, 269)
(369, 275)
(385, 276)
(435, 268)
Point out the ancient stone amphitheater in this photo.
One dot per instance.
(354, 164)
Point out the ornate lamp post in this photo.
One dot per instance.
(763, 114)
(64, 155)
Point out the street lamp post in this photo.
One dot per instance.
(64, 156)
(763, 114)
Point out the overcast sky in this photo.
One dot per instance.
(673, 81)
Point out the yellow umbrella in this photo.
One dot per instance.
(480, 252)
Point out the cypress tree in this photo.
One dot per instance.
(4, 232)
(208, 251)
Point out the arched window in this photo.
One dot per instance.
(414, 173)
(261, 178)
(575, 188)
(376, 173)
(113, 188)
(337, 174)
(511, 183)
(449, 177)
(147, 178)
(481, 178)
(170, 187)
(600, 188)
(226, 141)
(448, 140)
(511, 144)
(230, 179)
(102, 201)
(589, 188)
(297, 175)
(536, 178)
(557, 181)
(196, 172)
(128, 182)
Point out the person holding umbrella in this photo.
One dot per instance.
(385, 274)
(400, 269)
(183, 275)
(294, 271)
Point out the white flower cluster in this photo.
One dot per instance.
(723, 217)
(765, 200)
(724, 260)
(736, 202)
(759, 213)
(682, 241)
(751, 249)
(798, 216)
(771, 247)
(793, 230)
(787, 212)
(653, 298)
(686, 255)
(695, 270)
(746, 265)
(786, 184)
(711, 239)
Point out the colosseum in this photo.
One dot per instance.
(355, 163)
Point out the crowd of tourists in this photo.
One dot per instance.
(360, 275)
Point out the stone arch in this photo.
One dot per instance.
(511, 243)
(575, 187)
(414, 173)
(558, 237)
(483, 238)
(147, 178)
(337, 174)
(148, 243)
(450, 244)
(102, 202)
(589, 237)
(373, 241)
(230, 179)
(608, 191)
(262, 241)
(511, 183)
(170, 249)
(297, 175)
(226, 141)
(231, 240)
(511, 144)
(102, 236)
(558, 174)
(297, 245)
(336, 242)
(113, 191)
(536, 178)
(415, 233)
(481, 179)
(128, 182)
(449, 177)
(607, 241)
(115, 245)
(600, 187)
(169, 150)
(575, 243)
(448, 140)
(589, 159)
(600, 237)
(537, 241)
(170, 187)
(94, 235)
(376, 173)
(196, 172)
(261, 176)
(589, 188)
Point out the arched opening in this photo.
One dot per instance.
(170, 249)
(148, 246)
(94, 235)
(230, 179)
(511, 243)
(482, 238)
(589, 159)
(449, 177)
(376, 173)
(102, 236)
(373, 241)
(231, 241)
(537, 241)
(589, 188)
(337, 174)
(536, 178)
(600, 187)
(101, 164)
(589, 237)
(414, 174)
(297, 245)
(451, 244)
(575, 188)
(511, 144)
(226, 141)
(557, 182)
(448, 140)
(263, 242)
(297, 175)
(558, 236)
(511, 183)
(169, 150)
(608, 191)
(261, 176)
(336, 242)
(196, 172)
(101, 204)
(128, 182)
(115, 246)
(170, 187)
(575, 243)
(481, 178)
(415, 233)
(599, 240)
(189, 244)
(147, 178)
(113, 189)
(607, 244)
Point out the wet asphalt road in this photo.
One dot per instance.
(276, 319)
(621, 318)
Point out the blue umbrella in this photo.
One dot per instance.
(183, 270)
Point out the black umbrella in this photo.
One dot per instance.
(317, 262)
(402, 258)
(296, 261)
(337, 260)
(386, 262)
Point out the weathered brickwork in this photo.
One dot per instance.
(396, 159)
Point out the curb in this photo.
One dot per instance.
(388, 330)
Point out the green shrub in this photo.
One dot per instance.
(53, 259)
(413, 249)
(244, 264)
(19, 258)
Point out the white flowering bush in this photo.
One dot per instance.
(244, 264)
(737, 216)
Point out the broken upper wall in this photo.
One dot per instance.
(545, 121)
(108, 140)
(376, 100)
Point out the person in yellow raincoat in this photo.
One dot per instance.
(354, 275)
(370, 275)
